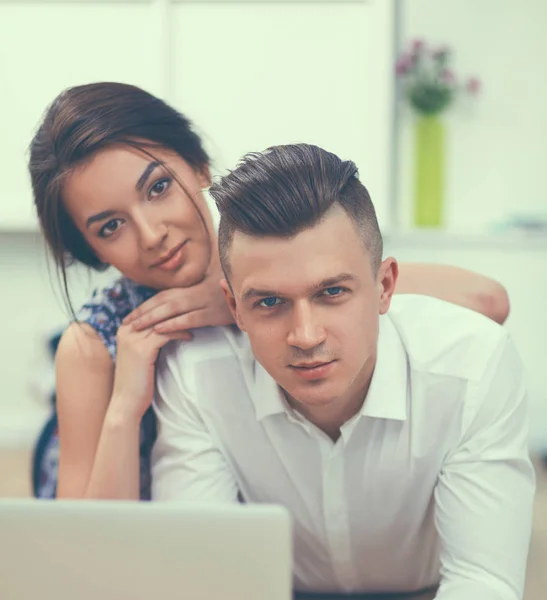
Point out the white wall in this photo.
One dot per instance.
(496, 149)
(270, 73)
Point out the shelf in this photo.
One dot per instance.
(443, 238)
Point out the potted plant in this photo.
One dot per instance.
(430, 85)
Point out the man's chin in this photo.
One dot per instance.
(310, 397)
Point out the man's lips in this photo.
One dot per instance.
(313, 370)
(310, 365)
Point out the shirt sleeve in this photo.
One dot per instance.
(187, 463)
(485, 491)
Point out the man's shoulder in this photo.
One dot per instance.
(209, 344)
(443, 338)
(211, 372)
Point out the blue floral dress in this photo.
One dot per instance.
(105, 312)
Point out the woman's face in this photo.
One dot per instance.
(138, 219)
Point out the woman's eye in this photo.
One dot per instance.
(160, 186)
(110, 227)
(333, 291)
(269, 302)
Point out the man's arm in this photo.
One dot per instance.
(459, 286)
(187, 464)
(485, 491)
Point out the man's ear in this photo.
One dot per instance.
(387, 279)
(231, 301)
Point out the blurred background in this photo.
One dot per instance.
(456, 170)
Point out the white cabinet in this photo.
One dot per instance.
(256, 74)
(249, 74)
(48, 46)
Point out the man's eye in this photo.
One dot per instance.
(269, 302)
(333, 291)
(109, 228)
(160, 186)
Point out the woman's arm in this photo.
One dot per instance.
(99, 448)
(100, 408)
(459, 286)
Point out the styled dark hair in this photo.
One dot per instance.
(286, 189)
(81, 121)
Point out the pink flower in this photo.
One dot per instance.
(417, 45)
(473, 86)
(447, 76)
(404, 64)
(441, 52)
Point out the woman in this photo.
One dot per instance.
(118, 179)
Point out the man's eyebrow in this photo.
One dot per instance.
(256, 293)
(334, 281)
(100, 217)
(325, 283)
(146, 174)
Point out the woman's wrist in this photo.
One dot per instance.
(121, 415)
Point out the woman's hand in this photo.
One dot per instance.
(134, 373)
(180, 309)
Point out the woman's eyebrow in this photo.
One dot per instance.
(146, 174)
(99, 217)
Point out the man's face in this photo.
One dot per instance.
(310, 306)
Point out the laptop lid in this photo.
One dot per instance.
(63, 550)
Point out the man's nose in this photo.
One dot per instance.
(306, 330)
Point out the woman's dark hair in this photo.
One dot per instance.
(81, 121)
(287, 189)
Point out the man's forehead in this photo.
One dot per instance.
(321, 251)
(271, 268)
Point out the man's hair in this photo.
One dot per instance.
(287, 189)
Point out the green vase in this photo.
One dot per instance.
(429, 183)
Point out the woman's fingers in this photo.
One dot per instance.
(179, 305)
(151, 304)
(190, 320)
(182, 308)
(179, 335)
(180, 299)
(157, 315)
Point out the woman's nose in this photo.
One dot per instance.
(152, 234)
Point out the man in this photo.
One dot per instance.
(395, 432)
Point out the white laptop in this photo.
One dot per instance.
(81, 550)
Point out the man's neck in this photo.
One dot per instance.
(331, 418)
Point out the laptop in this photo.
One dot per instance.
(67, 550)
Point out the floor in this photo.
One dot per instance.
(14, 482)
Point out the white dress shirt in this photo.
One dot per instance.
(431, 481)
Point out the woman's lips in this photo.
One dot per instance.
(173, 260)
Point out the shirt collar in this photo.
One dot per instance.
(268, 398)
(387, 394)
